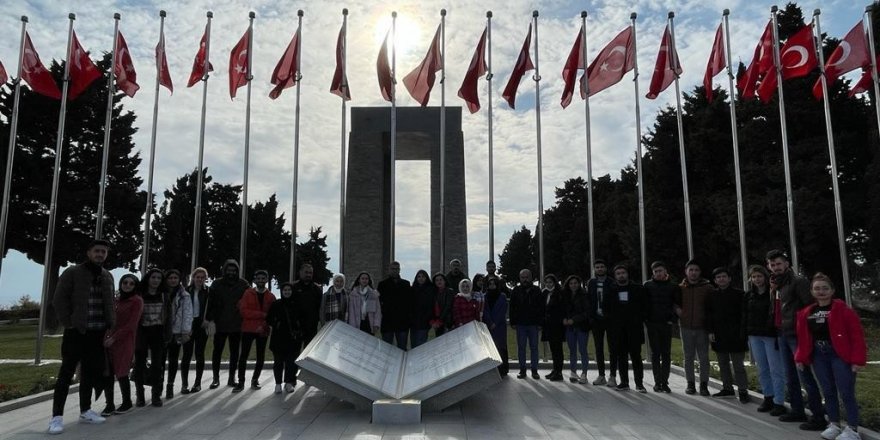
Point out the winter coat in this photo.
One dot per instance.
(441, 313)
(203, 295)
(307, 297)
(423, 298)
(333, 308)
(630, 314)
(396, 301)
(253, 312)
(364, 301)
(128, 316)
(661, 297)
(757, 314)
(558, 302)
(845, 328)
(794, 294)
(495, 317)
(724, 320)
(527, 305)
(691, 299)
(71, 299)
(225, 296)
(452, 279)
(181, 313)
(579, 310)
(464, 310)
(286, 334)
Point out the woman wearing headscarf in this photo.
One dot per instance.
(151, 337)
(286, 332)
(495, 317)
(120, 343)
(334, 302)
(464, 307)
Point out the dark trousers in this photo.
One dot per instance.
(389, 337)
(217, 355)
(173, 355)
(660, 340)
(124, 387)
(283, 366)
(418, 337)
(629, 345)
(152, 340)
(366, 327)
(299, 345)
(195, 346)
(86, 349)
(599, 330)
(247, 339)
(555, 344)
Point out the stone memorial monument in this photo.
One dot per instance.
(354, 366)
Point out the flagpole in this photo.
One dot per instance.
(242, 251)
(788, 192)
(838, 210)
(148, 211)
(681, 152)
(537, 79)
(293, 208)
(342, 141)
(442, 137)
(394, 134)
(870, 26)
(111, 88)
(200, 180)
(10, 154)
(589, 144)
(641, 184)
(53, 204)
(744, 258)
(491, 159)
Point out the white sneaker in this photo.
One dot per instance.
(289, 387)
(56, 425)
(583, 379)
(600, 381)
(848, 434)
(91, 417)
(612, 382)
(831, 432)
(277, 388)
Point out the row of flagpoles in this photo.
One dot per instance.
(770, 66)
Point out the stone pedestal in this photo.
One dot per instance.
(397, 412)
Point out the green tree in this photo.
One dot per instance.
(518, 254)
(314, 252)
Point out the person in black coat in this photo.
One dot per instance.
(424, 295)
(626, 309)
(724, 324)
(286, 332)
(596, 288)
(307, 296)
(661, 297)
(555, 315)
(526, 317)
(396, 302)
(226, 292)
(577, 327)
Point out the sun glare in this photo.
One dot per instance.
(408, 34)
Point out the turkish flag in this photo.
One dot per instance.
(35, 74)
(850, 54)
(523, 65)
(762, 61)
(715, 64)
(126, 77)
(420, 81)
(286, 72)
(798, 58)
(574, 62)
(383, 70)
(667, 67)
(83, 71)
(865, 82)
(198, 70)
(3, 77)
(476, 70)
(162, 64)
(615, 59)
(339, 85)
(239, 64)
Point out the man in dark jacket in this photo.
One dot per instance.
(395, 299)
(83, 303)
(307, 295)
(691, 309)
(596, 289)
(724, 324)
(223, 310)
(791, 292)
(661, 298)
(626, 309)
(455, 275)
(526, 317)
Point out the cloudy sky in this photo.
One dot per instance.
(272, 126)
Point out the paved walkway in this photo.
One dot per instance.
(512, 409)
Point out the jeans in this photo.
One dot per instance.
(418, 337)
(78, 348)
(795, 378)
(660, 341)
(771, 371)
(577, 343)
(527, 334)
(247, 339)
(389, 337)
(195, 346)
(598, 328)
(836, 376)
(217, 355)
(696, 344)
(725, 359)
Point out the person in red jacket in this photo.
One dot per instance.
(119, 342)
(464, 307)
(254, 307)
(831, 339)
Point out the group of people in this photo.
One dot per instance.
(798, 334)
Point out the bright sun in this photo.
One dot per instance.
(408, 34)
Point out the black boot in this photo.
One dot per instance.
(704, 389)
(766, 405)
(778, 410)
(125, 387)
(169, 391)
(691, 388)
(141, 400)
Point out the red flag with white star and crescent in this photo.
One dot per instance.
(198, 69)
(35, 73)
(162, 64)
(614, 61)
(239, 68)
(851, 53)
(83, 71)
(126, 77)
